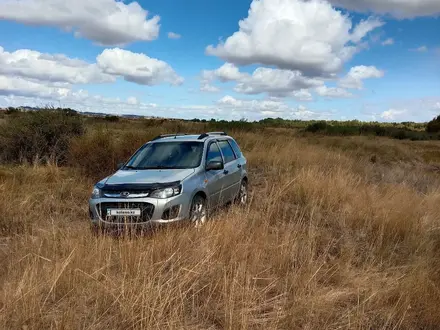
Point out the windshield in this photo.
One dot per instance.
(167, 155)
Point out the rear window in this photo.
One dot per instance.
(236, 148)
(227, 151)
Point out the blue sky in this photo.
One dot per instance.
(363, 59)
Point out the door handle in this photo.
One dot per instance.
(225, 171)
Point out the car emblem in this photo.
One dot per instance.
(125, 194)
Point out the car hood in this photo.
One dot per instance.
(148, 176)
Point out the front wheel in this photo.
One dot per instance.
(198, 211)
(242, 197)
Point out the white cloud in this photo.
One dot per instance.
(421, 49)
(173, 35)
(22, 87)
(137, 68)
(107, 22)
(358, 73)
(52, 68)
(365, 27)
(388, 42)
(275, 82)
(132, 100)
(111, 63)
(227, 72)
(397, 8)
(302, 95)
(309, 36)
(332, 92)
(227, 108)
(206, 87)
(392, 114)
(268, 108)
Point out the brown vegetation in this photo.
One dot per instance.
(340, 233)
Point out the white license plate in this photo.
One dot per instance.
(124, 212)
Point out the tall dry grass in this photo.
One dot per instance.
(330, 240)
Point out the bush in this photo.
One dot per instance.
(434, 126)
(111, 118)
(94, 154)
(41, 135)
(97, 153)
(317, 127)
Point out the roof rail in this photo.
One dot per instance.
(205, 135)
(168, 135)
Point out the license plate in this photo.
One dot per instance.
(124, 212)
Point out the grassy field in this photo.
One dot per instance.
(340, 233)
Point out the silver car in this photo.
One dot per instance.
(171, 178)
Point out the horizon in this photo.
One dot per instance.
(292, 59)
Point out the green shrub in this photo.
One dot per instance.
(43, 135)
(434, 126)
(317, 127)
(111, 118)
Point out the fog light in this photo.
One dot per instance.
(171, 213)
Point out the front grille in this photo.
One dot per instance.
(147, 211)
(126, 193)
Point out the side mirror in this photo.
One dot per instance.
(214, 166)
(119, 166)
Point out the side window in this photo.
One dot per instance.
(236, 148)
(227, 151)
(213, 153)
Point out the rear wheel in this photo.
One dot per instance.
(198, 211)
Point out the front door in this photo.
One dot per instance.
(215, 179)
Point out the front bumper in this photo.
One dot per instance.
(153, 210)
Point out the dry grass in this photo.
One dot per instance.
(329, 241)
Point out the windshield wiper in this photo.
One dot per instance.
(132, 167)
(160, 167)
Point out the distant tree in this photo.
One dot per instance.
(434, 125)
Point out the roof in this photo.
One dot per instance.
(189, 137)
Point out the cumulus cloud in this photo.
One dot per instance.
(268, 108)
(137, 68)
(274, 82)
(173, 35)
(388, 42)
(358, 73)
(52, 68)
(309, 36)
(107, 22)
(332, 92)
(227, 72)
(396, 8)
(23, 87)
(208, 88)
(392, 114)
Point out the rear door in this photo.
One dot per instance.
(232, 171)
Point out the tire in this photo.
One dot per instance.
(243, 194)
(198, 211)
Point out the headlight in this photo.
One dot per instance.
(96, 192)
(166, 192)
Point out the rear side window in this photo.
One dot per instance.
(236, 148)
(213, 153)
(227, 151)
